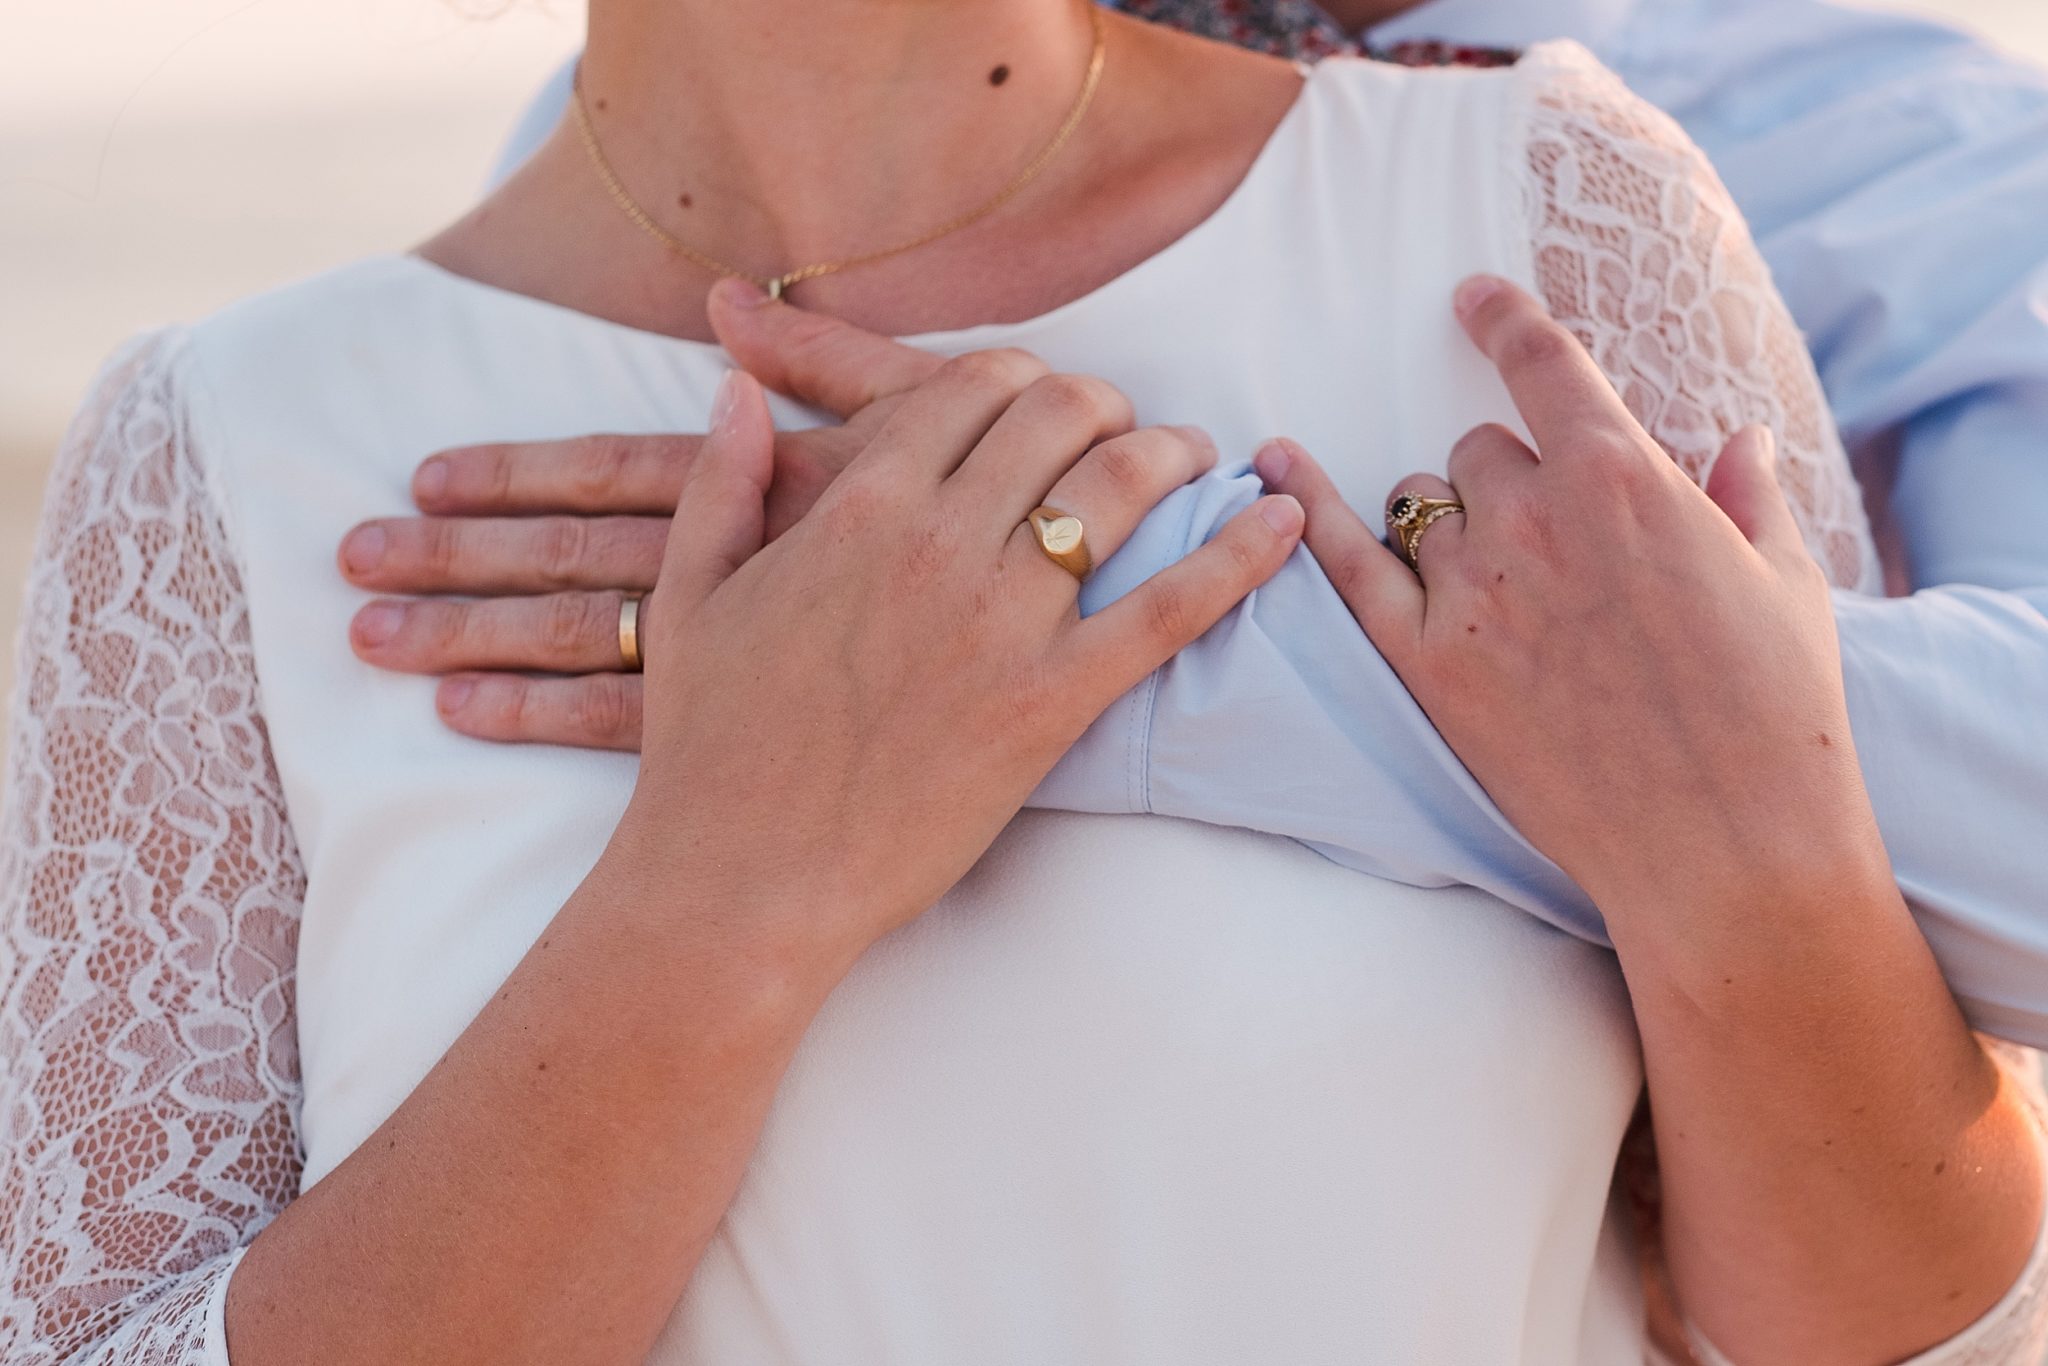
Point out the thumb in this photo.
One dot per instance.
(1744, 485)
(720, 517)
(814, 359)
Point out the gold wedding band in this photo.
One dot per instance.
(1410, 515)
(629, 632)
(1063, 539)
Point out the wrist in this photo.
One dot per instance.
(766, 911)
(1756, 918)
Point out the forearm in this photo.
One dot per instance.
(1846, 1176)
(545, 1193)
(1287, 720)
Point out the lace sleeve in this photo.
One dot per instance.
(149, 899)
(1638, 248)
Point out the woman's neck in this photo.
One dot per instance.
(775, 133)
(771, 134)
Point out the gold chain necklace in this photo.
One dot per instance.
(776, 284)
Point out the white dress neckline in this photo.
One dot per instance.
(1215, 225)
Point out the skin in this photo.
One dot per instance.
(1829, 1153)
(805, 704)
(1845, 1180)
(1823, 1116)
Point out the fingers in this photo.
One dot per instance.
(1561, 393)
(1439, 540)
(1119, 482)
(1489, 457)
(816, 360)
(561, 633)
(1114, 487)
(1156, 620)
(940, 421)
(589, 474)
(1036, 441)
(721, 518)
(1382, 592)
(501, 555)
(601, 711)
(1744, 485)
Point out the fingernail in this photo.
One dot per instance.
(1475, 292)
(430, 481)
(1273, 461)
(363, 549)
(378, 622)
(455, 694)
(1281, 513)
(1766, 446)
(743, 293)
(725, 400)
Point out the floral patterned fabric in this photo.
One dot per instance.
(150, 885)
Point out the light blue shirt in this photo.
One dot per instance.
(1895, 173)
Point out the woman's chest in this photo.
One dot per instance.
(434, 861)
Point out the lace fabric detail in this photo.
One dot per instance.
(150, 885)
(1638, 248)
(149, 898)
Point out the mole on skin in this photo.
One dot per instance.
(999, 75)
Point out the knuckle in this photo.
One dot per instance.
(440, 545)
(1004, 369)
(1532, 342)
(599, 708)
(598, 465)
(1169, 614)
(561, 547)
(525, 709)
(859, 499)
(1197, 442)
(1476, 444)
(809, 336)
(1081, 398)
(1347, 568)
(484, 473)
(447, 627)
(568, 623)
(1247, 557)
(1127, 466)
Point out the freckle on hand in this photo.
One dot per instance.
(999, 75)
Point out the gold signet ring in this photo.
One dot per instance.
(1410, 515)
(1063, 539)
(629, 632)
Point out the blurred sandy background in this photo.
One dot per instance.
(161, 157)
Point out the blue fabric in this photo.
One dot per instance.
(1895, 172)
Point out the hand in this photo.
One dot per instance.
(838, 725)
(1644, 677)
(548, 536)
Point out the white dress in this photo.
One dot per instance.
(1137, 1091)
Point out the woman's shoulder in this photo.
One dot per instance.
(1480, 96)
(347, 306)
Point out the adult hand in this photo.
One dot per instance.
(546, 537)
(1644, 676)
(841, 722)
